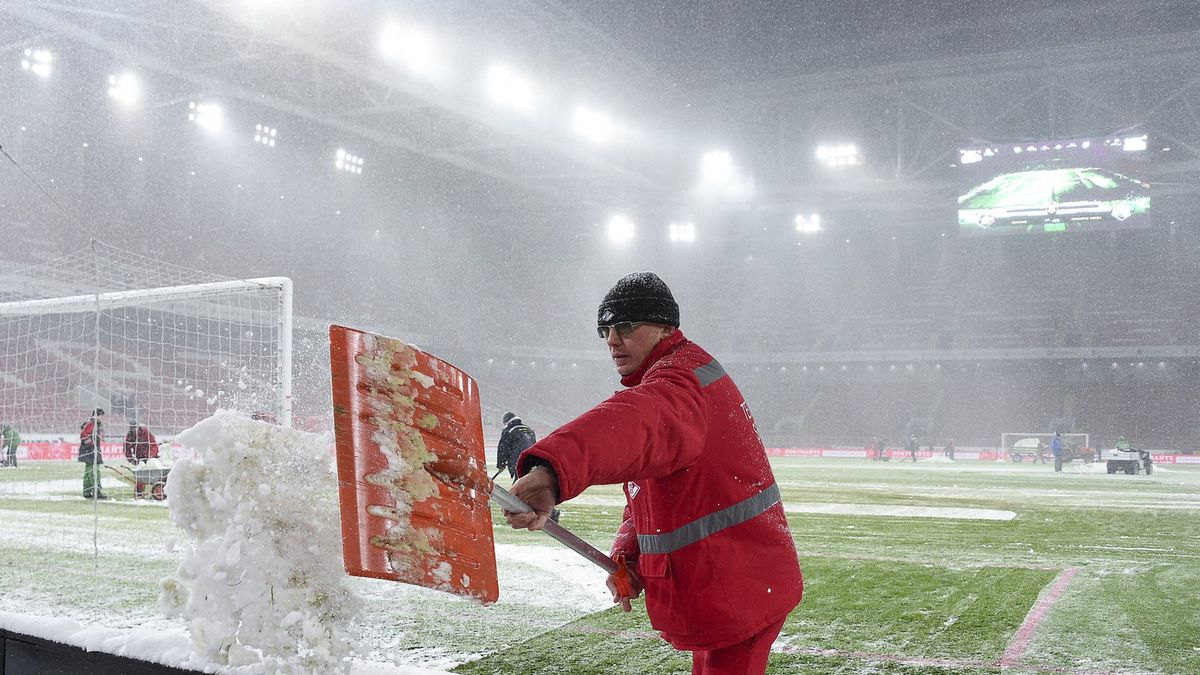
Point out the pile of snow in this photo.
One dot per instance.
(261, 586)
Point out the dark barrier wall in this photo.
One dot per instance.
(26, 655)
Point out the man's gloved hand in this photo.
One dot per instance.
(538, 489)
(625, 584)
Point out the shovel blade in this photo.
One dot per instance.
(412, 481)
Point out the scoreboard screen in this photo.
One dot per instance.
(1074, 185)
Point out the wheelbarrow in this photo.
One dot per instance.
(141, 478)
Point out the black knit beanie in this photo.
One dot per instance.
(640, 296)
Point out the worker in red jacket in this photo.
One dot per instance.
(140, 444)
(91, 437)
(704, 532)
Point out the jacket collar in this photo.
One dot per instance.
(655, 354)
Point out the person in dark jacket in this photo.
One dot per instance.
(515, 438)
(913, 447)
(91, 433)
(702, 512)
(1056, 447)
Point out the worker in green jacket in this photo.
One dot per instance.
(9, 440)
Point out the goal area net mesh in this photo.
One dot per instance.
(145, 340)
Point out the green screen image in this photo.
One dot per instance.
(1090, 186)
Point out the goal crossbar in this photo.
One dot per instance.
(131, 298)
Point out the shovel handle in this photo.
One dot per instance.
(510, 502)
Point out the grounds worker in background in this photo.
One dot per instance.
(140, 445)
(10, 440)
(91, 433)
(1056, 450)
(704, 529)
(515, 438)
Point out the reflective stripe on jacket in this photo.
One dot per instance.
(703, 516)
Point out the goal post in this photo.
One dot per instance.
(167, 355)
(1016, 442)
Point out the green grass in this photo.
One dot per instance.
(857, 606)
(884, 594)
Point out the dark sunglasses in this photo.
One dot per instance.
(623, 328)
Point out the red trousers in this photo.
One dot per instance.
(748, 657)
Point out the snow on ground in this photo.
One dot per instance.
(261, 589)
(50, 489)
(577, 582)
(543, 586)
(547, 585)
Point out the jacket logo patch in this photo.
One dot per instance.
(633, 489)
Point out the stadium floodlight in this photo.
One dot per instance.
(265, 135)
(716, 166)
(344, 161)
(620, 229)
(683, 232)
(808, 224)
(721, 179)
(409, 46)
(593, 125)
(1134, 143)
(125, 88)
(509, 89)
(208, 116)
(40, 62)
(969, 157)
(845, 154)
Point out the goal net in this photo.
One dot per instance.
(1014, 444)
(145, 340)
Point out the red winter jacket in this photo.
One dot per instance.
(703, 517)
(140, 444)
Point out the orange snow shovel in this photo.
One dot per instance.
(412, 481)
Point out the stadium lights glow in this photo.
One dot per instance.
(593, 125)
(207, 116)
(265, 135)
(808, 224)
(839, 155)
(620, 229)
(125, 88)
(409, 46)
(683, 232)
(716, 166)
(1134, 143)
(40, 62)
(508, 89)
(344, 161)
